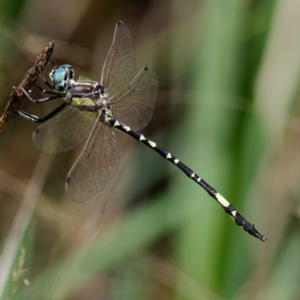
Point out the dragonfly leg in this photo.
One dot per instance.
(52, 63)
(49, 84)
(45, 91)
(36, 119)
(55, 96)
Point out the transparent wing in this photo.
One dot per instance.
(64, 131)
(120, 62)
(96, 164)
(134, 104)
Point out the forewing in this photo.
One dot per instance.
(120, 62)
(96, 164)
(64, 131)
(134, 105)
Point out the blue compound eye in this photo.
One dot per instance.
(61, 77)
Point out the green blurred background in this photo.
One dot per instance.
(228, 106)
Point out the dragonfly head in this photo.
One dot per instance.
(62, 77)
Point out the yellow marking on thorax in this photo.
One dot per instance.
(83, 101)
(86, 102)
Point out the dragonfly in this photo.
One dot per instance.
(93, 110)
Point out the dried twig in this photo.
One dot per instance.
(16, 96)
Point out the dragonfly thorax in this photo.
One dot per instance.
(89, 89)
(89, 96)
